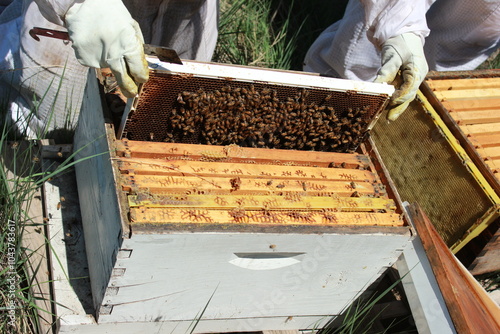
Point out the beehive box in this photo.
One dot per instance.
(264, 238)
(440, 153)
(469, 103)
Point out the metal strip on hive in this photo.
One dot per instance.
(200, 103)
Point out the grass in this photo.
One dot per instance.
(16, 192)
(272, 33)
(246, 36)
(20, 179)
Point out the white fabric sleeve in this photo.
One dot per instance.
(389, 18)
(55, 10)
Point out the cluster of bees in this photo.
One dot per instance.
(251, 117)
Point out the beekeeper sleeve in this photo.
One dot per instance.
(103, 34)
(398, 29)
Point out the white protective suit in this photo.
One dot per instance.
(46, 77)
(458, 35)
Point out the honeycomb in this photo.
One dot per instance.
(184, 108)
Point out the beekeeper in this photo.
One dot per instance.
(376, 39)
(42, 82)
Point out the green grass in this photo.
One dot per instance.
(16, 192)
(272, 33)
(20, 178)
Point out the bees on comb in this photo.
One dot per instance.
(251, 117)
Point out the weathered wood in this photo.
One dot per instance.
(273, 217)
(223, 185)
(494, 165)
(469, 94)
(174, 276)
(485, 141)
(229, 202)
(37, 265)
(492, 152)
(474, 117)
(475, 129)
(461, 84)
(138, 149)
(201, 168)
(53, 151)
(474, 104)
(488, 260)
(102, 219)
(471, 309)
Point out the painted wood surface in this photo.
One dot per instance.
(470, 307)
(102, 220)
(244, 277)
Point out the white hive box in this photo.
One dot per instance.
(263, 238)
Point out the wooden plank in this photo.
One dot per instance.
(138, 149)
(460, 84)
(490, 128)
(473, 117)
(263, 217)
(207, 169)
(104, 224)
(494, 165)
(490, 152)
(259, 202)
(469, 94)
(35, 238)
(237, 185)
(485, 141)
(471, 309)
(474, 104)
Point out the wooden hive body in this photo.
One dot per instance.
(266, 239)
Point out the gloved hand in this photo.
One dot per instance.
(105, 35)
(404, 52)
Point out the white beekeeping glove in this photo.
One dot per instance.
(404, 52)
(105, 35)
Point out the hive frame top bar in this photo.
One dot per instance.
(254, 74)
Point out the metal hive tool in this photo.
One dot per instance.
(201, 103)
